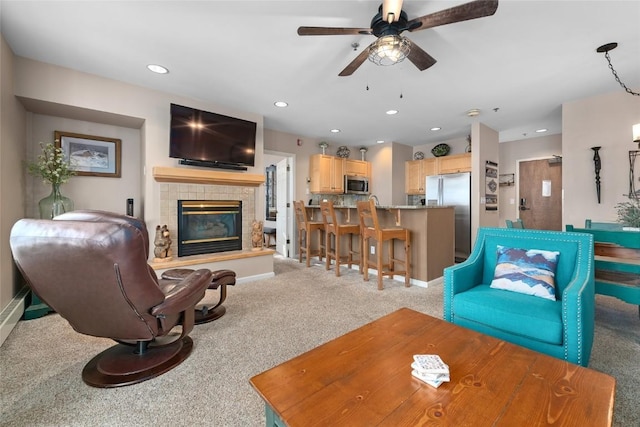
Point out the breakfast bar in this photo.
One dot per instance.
(432, 234)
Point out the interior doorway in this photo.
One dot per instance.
(282, 220)
(283, 207)
(540, 196)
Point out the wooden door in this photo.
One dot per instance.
(540, 192)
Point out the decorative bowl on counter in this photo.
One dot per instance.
(343, 152)
(440, 150)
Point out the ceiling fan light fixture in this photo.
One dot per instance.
(389, 50)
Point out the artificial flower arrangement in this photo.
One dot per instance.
(51, 165)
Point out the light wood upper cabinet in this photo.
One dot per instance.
(357, 168)
(326, 173)
(416, 171)
(454, 164)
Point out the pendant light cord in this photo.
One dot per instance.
(606, 55)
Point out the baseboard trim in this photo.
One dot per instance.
(255, 277)
(12, 313)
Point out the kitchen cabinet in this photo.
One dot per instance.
(357, 168)
(454, 164)
(326, 174)
(416, 172)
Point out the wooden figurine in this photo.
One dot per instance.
(257, 240)
(162, 242)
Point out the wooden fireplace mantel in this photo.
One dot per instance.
(198, 176)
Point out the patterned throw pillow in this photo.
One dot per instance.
(528, 271)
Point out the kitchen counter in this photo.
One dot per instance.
(384, 207)
(432, 233)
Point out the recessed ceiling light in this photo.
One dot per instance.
(541, 130)
(436, 128)
(335, 130)
(157, 69)
(380, 142)
(392, 112)
(280, 104)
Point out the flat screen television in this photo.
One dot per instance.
(208, 139)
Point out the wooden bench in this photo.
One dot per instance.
(617, 262)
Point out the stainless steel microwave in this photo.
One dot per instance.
(356, 184)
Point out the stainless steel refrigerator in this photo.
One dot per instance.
(454, 190)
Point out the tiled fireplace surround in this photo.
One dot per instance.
(170, 193)
(195, 184)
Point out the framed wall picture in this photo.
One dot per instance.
(91, 155)
(491, 185)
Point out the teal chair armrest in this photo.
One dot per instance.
(578, 312)
(462, 277)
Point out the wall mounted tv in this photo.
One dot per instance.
(207, 139)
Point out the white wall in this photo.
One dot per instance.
(484, 147)
(401, 153)
(604, 121)
(46, 83)
(302, 148)
(12, 185)
(381, 158)
(88, 192)
(456, 146)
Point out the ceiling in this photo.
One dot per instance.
(517, 66)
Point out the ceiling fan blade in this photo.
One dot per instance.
(463, 12)
(420, 58)
(353, 66)
(330, 31)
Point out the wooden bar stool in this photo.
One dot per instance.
(305, 229)
(337, 230)
(370, 229)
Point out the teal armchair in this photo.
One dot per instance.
(562, 328)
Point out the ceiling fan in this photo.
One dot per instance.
(391, 21)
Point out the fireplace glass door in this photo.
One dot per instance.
(209, 226)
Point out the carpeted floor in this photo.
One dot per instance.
(267, 323)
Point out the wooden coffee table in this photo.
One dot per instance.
(364, 378)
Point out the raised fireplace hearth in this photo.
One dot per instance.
(209, 226)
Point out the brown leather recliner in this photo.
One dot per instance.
(94, 273)
(220, 279)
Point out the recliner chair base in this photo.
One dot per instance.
(122, 365)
